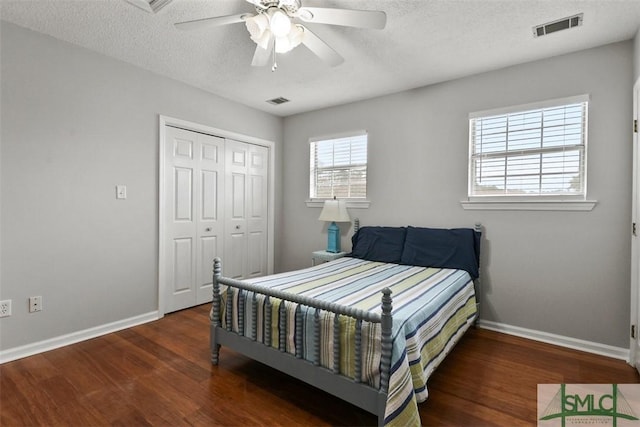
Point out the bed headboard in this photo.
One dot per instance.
(356, 226)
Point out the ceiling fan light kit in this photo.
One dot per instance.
(273, 28)
(275, 23)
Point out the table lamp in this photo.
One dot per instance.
(335, 211)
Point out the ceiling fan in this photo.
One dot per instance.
(277, 27)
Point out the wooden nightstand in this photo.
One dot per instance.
(324, 256)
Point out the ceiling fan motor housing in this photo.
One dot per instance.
(290, 7)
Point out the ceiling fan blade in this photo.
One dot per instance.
(216, 21)
(346, 17)
(256, 3)
(320, 48)
(261, 55)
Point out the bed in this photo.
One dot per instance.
(370, 327)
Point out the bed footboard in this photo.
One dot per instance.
(331, 380)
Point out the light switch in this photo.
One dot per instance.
(121, 191)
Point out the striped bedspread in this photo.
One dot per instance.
(432, 308)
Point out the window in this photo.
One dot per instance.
(534, 150)
(338, 167)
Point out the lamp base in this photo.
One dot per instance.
(333, 238)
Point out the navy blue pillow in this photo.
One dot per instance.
(455, 248)
(383, 244)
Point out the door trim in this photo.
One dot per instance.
(634, 342)
(197, 127)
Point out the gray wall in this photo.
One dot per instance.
(636, 57)
(564, 273)
(75, 124)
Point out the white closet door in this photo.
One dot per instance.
(246, 206)
(211, 213)
(193, 215)
(258, 207)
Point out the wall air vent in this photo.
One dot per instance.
(277, 101)
(559, 25)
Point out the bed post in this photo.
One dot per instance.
(477, 283)
(215, 311)
(386, 326)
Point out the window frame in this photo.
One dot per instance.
(529, 201)
(352, 202)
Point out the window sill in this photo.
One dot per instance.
(351, 204)
(530, 205)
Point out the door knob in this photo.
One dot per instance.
(237, 227)
(207, 229)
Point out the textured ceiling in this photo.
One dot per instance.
(424, 42)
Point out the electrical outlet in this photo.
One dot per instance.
(35, 304)
(5, 308)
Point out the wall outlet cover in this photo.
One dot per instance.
(35, 304)
(5, 308)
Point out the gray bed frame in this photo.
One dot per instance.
(332, 381)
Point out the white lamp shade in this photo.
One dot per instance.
(263, 41)
(283, 45)
(334, 210)
(295, 36)
(279, 23)
(257, 25)
(291, 40)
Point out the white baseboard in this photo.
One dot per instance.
(63, 340)
(573, 343)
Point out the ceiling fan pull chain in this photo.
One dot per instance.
(275, 65)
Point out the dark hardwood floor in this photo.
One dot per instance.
(160, 374)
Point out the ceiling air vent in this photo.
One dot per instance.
(559, 25)
(277, 101)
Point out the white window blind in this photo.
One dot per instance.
(338, 167)
(533, 152)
